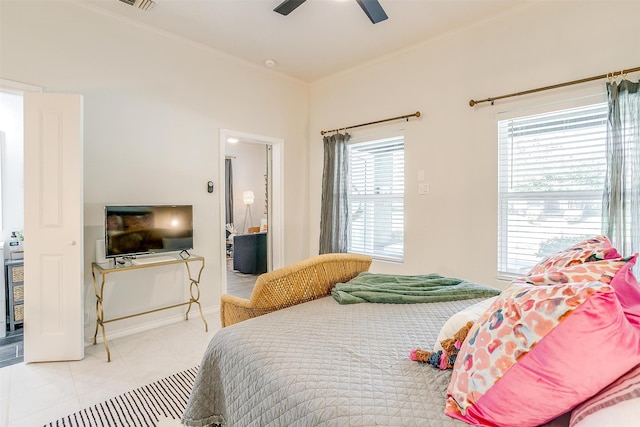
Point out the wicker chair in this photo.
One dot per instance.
(299, 282)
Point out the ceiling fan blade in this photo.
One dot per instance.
(288, 6)
(373, 10)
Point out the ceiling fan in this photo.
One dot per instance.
(371, 7)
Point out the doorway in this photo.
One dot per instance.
(56, 119)
(11, 207)
(257, 203)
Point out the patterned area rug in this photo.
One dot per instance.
(152, 405)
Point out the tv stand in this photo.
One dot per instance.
(103, 269)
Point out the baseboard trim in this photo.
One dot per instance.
(147, 326)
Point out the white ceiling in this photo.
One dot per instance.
(318, 39)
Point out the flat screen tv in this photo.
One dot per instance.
(136, 230)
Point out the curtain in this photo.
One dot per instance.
(228, 193)
(334, 208)
(621, 200)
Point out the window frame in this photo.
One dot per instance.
(507, 266)
(369, 244)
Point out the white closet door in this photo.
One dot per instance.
(53, 228)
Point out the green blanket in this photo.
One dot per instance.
(399, 289)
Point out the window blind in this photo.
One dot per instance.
(551, 172)
(376, 198)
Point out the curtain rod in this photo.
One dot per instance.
(473, 102)
(416, 114)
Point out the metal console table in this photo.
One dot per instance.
(104, 269)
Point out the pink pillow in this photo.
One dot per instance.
(539, 351)
(628, 291)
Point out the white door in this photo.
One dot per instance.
(53, 228)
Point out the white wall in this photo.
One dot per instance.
(154, 106)
(453, 230)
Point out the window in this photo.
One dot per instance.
(551, 172)
(376, 198)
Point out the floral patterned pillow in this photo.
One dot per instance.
(594, 242)
(616, 272)
(603, 271)
(595, 249)
(540, 350)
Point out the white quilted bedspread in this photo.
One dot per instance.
(325, 364)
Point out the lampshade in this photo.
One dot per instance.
(248, 197)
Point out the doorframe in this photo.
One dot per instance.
(275, 205)
(17, 88)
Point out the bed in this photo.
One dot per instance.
(323, 363)
(292, 355)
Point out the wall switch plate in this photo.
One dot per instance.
(423, 188)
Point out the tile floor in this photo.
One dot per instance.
(240, 284)
(37, 393)
(12, 348)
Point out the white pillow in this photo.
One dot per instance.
(623, 414)
(458, 320)
(617, 405)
